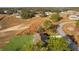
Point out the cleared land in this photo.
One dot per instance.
(12, 27)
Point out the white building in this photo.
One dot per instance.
(48, 13)
(38, 15)
(5, 11)
(18, 15)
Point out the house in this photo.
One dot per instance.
(48, 13)
(71, 12)
(18, 16)
(5, 11)
(38, 15)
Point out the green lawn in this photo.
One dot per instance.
(18, 43)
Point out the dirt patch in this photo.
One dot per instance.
(10, 21)
(69, 28)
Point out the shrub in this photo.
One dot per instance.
(47, 24)
(58, 44)
(55, 17)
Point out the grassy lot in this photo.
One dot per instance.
(20, 43)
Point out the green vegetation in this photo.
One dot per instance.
(9, 10)
(25, 43)
(77, 23)
(20, 43)
(58, 44)
(47, 24)
(27, 13)
(55, 17)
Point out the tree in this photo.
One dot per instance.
(56, 10)
(27, 13)
(55, 17)
(58, 44)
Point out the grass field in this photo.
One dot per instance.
(20, 43)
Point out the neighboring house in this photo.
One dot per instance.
(74, 17)
(71, 12)
(18, 16)
(5, 11)
(38, 15)
(48, 13)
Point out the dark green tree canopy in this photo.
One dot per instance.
(25, 13)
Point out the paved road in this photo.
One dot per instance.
(63, 34)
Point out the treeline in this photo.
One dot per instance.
(29, 12)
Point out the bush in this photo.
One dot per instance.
(23, 43)
(58, 44)
(47, 24)
(55, 17)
